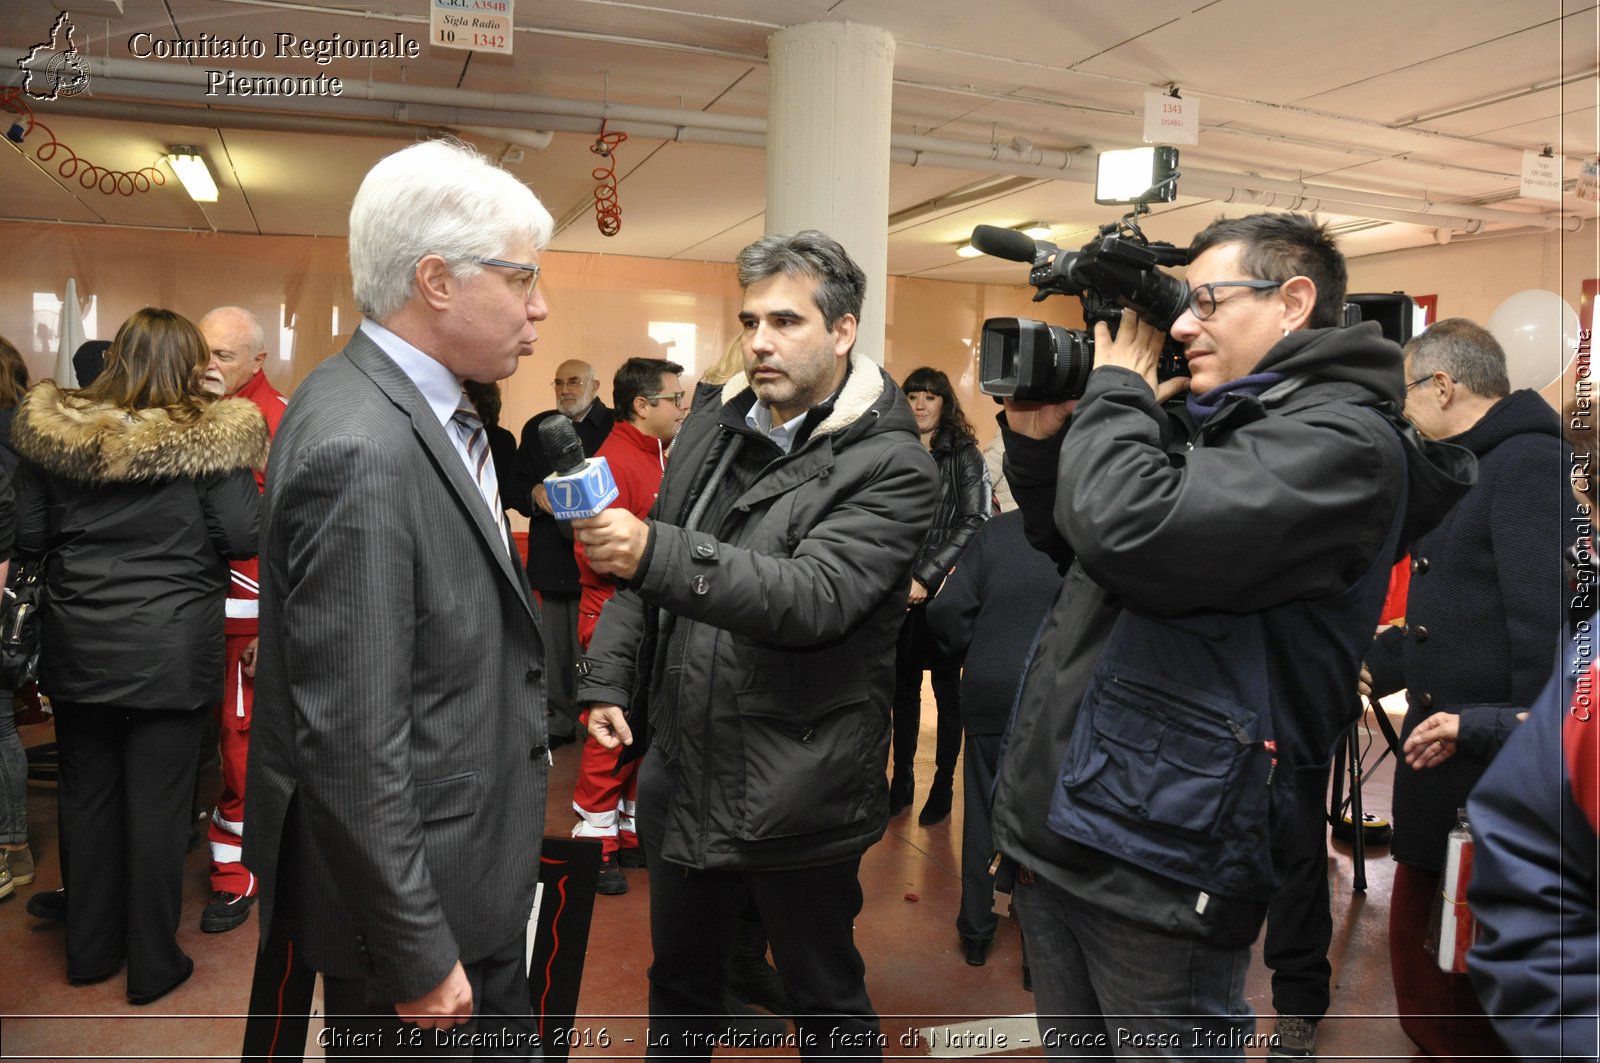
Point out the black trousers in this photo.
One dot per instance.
(809, 915)
(914, 653)
(1299, 921)
(502, 1024)
(558, 625)
(976, 920)
(127, 784)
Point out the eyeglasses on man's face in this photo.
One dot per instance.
(675, 397)
(1425, 379)
(1203, 298)
(530, 273)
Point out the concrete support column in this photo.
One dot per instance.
(828, 148)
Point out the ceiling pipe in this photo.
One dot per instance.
(212, 118)
(526, 103)
(408, 120)
(532, 139)
(456, 107)
(1225, 193)
(1188, 176)
(984, 192)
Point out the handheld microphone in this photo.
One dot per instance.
(579, 487)
(1006, 243)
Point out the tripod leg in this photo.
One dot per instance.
(1358, 834)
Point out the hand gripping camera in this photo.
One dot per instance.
(1024, 359)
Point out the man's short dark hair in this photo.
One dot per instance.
(841, 285)
(1280, 246)
(639, 377)
(1464, 349)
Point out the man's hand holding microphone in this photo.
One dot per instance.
(613, 540)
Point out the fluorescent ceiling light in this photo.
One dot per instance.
(968, 251)
(191, 168)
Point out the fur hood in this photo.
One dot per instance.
(94, 442)
(862, 388)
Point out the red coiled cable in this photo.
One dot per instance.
(607, 207)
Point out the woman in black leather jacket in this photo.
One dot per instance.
(964, 503)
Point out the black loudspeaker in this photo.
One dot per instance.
(1393, 311)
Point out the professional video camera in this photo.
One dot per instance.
(1024, 359)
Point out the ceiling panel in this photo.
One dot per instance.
(1065, 77)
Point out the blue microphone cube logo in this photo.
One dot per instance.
(583, 493)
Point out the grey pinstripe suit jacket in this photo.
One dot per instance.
(397, 774)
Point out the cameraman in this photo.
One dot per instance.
(1224, 567)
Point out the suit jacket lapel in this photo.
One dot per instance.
(370, 359)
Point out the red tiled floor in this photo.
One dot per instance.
(906, 932)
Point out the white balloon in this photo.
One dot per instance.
(1539, 333)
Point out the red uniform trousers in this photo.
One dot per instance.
(604, 796)
(233, 739)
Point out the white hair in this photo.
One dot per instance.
(255, 338)
(439, 197)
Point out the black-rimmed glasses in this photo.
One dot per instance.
(1425, 379)
(520, 267)
(1203, 298)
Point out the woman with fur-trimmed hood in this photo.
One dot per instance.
(137, 489)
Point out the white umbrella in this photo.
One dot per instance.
(71, 334)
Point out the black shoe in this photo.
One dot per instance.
(49, 905)
(95, 979)
(223, 912)
(976, 951)
(151, 998)
(611, 881)
(631, 858)
(902, 788)
(937, 808)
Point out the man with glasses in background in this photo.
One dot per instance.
(552, 571)
(1225, 564)
(650, 398)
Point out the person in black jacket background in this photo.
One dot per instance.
(984, 620)
(963, 504)
(137, 489)
(1483, 622)
(552, 569)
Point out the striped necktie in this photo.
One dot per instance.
(475, 438)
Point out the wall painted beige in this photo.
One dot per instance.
(1474, 276)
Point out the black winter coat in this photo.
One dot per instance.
(768, 684)
(1483, 614)
(139, 516)
(986, 615)
(965, 497)
(1280, 502)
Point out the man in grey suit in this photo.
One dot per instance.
(397, 770)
